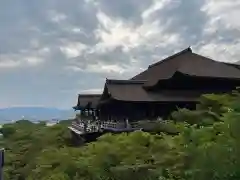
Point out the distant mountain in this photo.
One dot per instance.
(34, 113)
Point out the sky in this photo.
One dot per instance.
(51, 50)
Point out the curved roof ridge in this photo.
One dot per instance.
(172, 56)
(88, 95)
(117, 81)
(143, 73)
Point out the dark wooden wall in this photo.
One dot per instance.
(204, 84)
(139, 111)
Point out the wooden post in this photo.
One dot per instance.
(1, 163)
(127, 123)
(80, 117)
(84, 121)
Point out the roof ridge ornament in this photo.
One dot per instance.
(189, 48)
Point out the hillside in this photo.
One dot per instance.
(34, 113)
(206, 146)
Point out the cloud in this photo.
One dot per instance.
(117, 33)
(72, 50)
(221, 35)
(51, 50)
(8, 63)
(92, 91)
(128, 11)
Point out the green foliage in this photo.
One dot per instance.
(158, 127)
(199, 117)
(7, 130)
(209, 110)
(216, 103)
(214, 151)
(195, 145)
(24, 141)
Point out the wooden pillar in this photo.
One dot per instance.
(80, 117)
(84, 120)
(127, 123)
(93, 115)
(147, 111)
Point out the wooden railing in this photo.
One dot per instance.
(77, 126)
(90, 127)
(134, 124)
(96, 126)
(114, 125)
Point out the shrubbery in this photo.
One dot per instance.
(194, 145)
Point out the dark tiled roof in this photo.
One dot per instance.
(87, 100)
(198, 65)
(132, 90)
(167, 65)
(126, 90)
(234, 65)
(188, 50)
(188, 63)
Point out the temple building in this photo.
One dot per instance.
(175, 82)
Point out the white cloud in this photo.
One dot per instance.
(76, 30)
(33, 61)
(223, 14)
(16, 61)
(222, 31)
(73, 49)
(56, 17)
(92, 91)
(9, 63)
(221, 52)
(44, 50)
(73, 68)
(98, 68)
(114, 33)
(157, 5)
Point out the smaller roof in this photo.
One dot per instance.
(87, 101)
(126, 90)
(132, 90)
